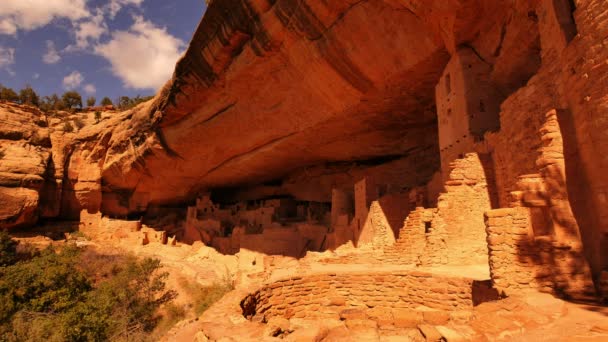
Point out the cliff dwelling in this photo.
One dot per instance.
(362, 170)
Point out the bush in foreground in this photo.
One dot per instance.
(60, 295)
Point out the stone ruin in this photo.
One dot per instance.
(404, 153)
(272, 226)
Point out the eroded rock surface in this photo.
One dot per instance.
(25, 151)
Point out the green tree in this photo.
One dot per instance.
(8, 94)
(27, 95)
(47, 283)
(106, 101)
(49, 103)
(91, 101)
(72, 99)
(124, 102)
(8, 249)
(73, 295)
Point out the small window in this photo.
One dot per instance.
(427, 227)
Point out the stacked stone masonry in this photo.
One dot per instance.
(327, 295)
(519, 260)
(451, 234)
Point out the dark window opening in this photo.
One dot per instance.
(427, 227)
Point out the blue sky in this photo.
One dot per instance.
(97, 47)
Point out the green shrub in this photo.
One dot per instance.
(8, 247)
(59, 296)
(97, 116)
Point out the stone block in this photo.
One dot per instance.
(450, 335)
(361, 323)
(349, 314)
(429, 332)
(406, 318)
(277, 326)
(436, 317)
(502, 212)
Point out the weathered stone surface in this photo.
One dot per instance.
(24, 158)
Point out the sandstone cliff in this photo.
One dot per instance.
(268, 88)
(296, 98)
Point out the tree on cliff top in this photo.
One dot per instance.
(52, 102)
(106, 102)
(72, 99)
(91, 101)
(27, 95)
(8, 94)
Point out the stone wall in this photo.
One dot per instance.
(454, 232)
(521, 260)
(412, 240)
(584, 86)
(537, 244)
(460, 211)
(292, 241)
(376, 230)
(326, 295)
(467, 105)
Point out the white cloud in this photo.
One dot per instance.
(116, 5)
(32, 14)
(7, 26)
(36, 76)
(51, 56)
(142, 57)
(7, 57)
(73, 80)
(89, 89)
(90, 30)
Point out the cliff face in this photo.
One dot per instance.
(267, 88)
(25, 151)
(299, 97)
